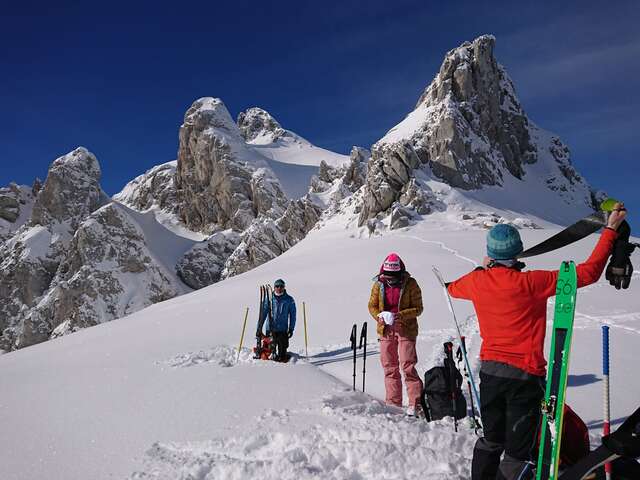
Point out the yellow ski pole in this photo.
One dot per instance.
(304, 315)
(244, 326)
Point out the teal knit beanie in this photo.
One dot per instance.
(503, 242)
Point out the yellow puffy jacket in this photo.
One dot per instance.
(410, 306)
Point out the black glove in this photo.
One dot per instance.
(290, 333)
(619, 270)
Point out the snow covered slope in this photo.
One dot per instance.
(293, 159)
(266, 136)
(160, 395)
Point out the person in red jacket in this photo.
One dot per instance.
(511, 307)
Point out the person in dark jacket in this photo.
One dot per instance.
(511, 306)
(278, 314)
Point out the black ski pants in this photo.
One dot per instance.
(281, 340)
(510, 411)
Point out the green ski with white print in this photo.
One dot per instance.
(557, 373)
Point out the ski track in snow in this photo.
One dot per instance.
(442, 246)
(346, 437)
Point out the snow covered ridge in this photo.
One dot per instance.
(469, 131)
(73, 259)
(242, 193)
(267, 137)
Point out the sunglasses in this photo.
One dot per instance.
(278, 286)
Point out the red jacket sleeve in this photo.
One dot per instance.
(463, 287)
(543, 283)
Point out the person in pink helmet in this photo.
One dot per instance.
(395, 304)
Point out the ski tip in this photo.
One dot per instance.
(608, 204)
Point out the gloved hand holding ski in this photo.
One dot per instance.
(620, 269)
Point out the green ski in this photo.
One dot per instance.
(557, 373)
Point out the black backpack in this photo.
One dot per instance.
(440, 398)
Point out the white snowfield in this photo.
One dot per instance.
(161, 394)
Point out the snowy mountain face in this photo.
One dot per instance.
(32, 256)
(265, 135)
(72, 258)
(164, 392)
(233, 200)
(469, 131)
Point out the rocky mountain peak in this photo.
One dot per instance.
(71, 191)
(469, 130)
(211, 113)
(257, 125)
(220, 181)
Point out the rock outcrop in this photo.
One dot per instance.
(267, 239)
(257, 125)
(220, 182)
(204, 263)
(33, 254)
(468, 130)
(335, 183)
(16, 204)
(109, 272)
(153, 189)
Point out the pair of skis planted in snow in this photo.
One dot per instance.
(263, 343)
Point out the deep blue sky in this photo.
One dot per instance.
(118, 77)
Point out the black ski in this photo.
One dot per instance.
(448, 350)
(579, 230)
(261, 318)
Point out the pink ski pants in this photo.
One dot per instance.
(397, 351)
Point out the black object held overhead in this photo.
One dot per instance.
(448, 350)
(363, 344)
(573, 233)
(354, 346)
